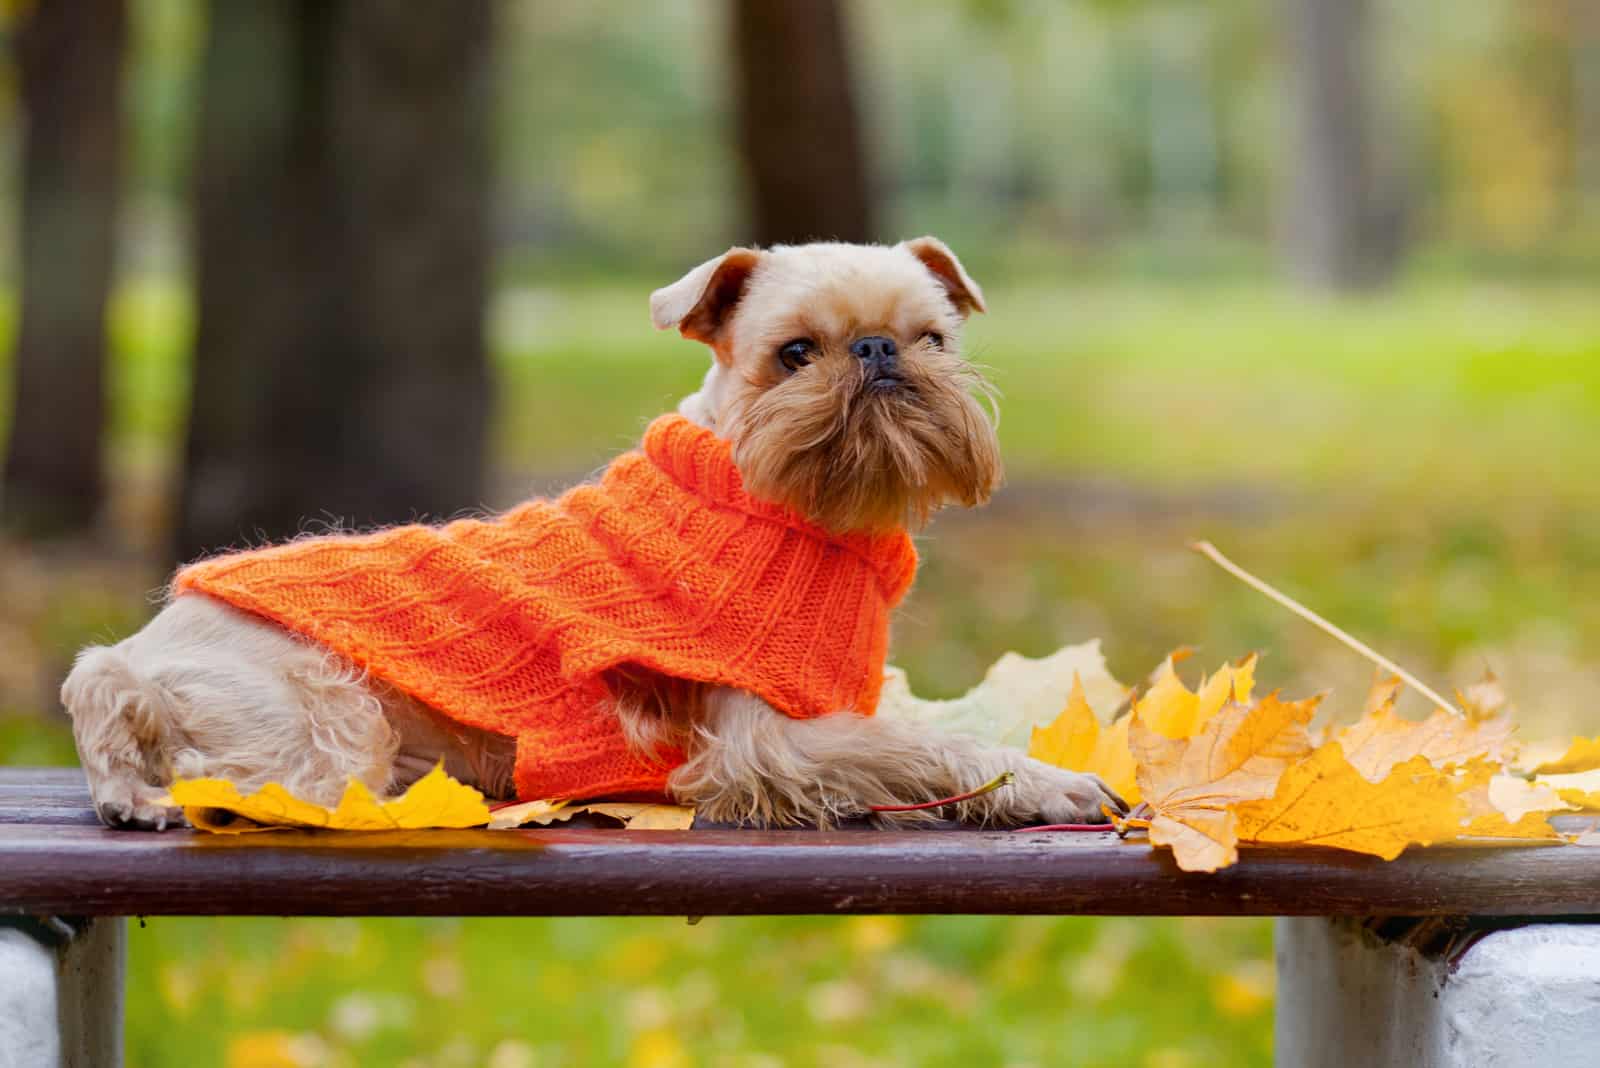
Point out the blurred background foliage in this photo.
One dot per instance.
(1315, 279)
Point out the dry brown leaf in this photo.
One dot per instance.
(1505, 806)
(1383, 694)
(1076, 741)
(1325, 801)
(542, 813)
(1190, 783)
(1516, 798)
(634, 815)
(1382, 739)
(1201, 839)
(647, 817)
(1485, 699)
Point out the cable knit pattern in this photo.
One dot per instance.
(508, 624)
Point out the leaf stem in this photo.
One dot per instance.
(1064, 827)
(1209, 551)
(1005, 778)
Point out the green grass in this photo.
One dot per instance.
(1466, 390)
(802, 992)
(1418, 466)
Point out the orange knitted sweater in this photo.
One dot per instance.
(509, 624)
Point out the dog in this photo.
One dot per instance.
(838, 394)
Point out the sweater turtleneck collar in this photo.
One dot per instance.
(702, 463)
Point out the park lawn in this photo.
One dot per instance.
(1416, 465)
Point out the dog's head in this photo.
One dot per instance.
(838, 377)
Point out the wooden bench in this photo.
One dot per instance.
(1376, 940)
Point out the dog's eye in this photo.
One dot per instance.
(934, 339)
(796, 354)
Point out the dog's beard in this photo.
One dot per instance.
(854, 453)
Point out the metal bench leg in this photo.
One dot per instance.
(61, 993)
(1437, 993)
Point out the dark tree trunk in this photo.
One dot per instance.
(805, 160)
(1343, 229)
(69, 53)
(342, 248)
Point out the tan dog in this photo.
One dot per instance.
(838, 382)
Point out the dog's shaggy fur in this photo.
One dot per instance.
(851, 443)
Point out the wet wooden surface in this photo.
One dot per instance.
(55, 858)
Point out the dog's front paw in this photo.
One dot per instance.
(137, 810)
(1053, 795)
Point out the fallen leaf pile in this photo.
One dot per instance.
(1216, 767)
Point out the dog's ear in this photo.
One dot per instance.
(700, 302)
(937, 258)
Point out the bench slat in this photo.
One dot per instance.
(52, 777)
(50, 812)
(566, 871)
(55, 858)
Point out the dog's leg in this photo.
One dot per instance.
(205, 690)
(119, 721)
(749, 763)
(476, 757)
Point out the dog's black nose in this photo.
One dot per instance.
(878, 353)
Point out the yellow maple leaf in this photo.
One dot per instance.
(1581, 788)
(435, 800)
(1069, 739)
(1113, 760)
(1169, 707)
(1381, 738)
(1582, 754)
(1191, 784)
(1075, 740)
(216, 805)
(1244, 678)
(1325, 801)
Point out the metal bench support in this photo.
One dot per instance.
(61, 993)
(1503, 995)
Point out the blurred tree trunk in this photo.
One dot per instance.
(799, 131)
(69, 54)
(1184, 185)
(342, 250)
(1340, 233)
